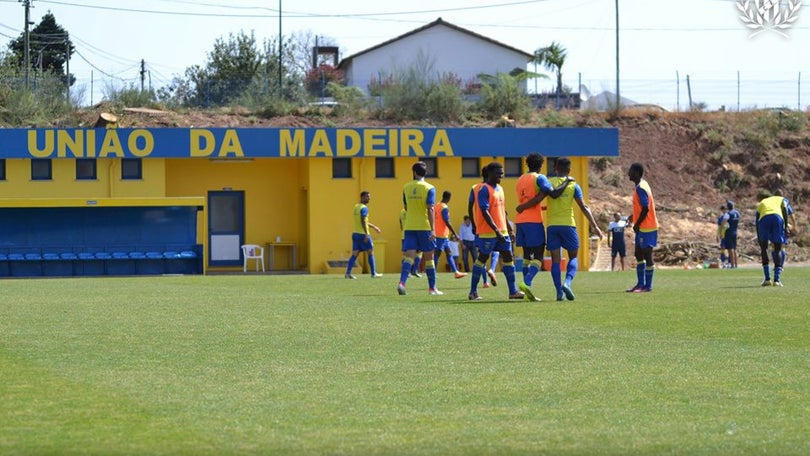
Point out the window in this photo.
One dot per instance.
(551, 165)
(432, 167)
(86, 169)
(2, 169)
(470, 167)
(513, 167)
(41, 169)
(131, 169)
(384, 167)
(341, 168)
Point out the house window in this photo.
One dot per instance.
(2, 169)
(470, 167)
(86, 169)
(513, 167)
(432, 166)
(41, 169)
(384, 167)
(341, 168)
(131, 169)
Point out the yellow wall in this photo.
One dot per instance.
(331, 202)
(274, 194)
(64, 184)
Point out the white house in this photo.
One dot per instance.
(439, 47)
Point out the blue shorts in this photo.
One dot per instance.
(730, 240)
(771, 228)
(648, 239)
(560, 236)
(618, 248)
(488, 245)
(418, 240)
(530, 234)
(360, 243)
(441, 244)
(723, 243)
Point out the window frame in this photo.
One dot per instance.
(132, 161)
(94, 165)
(465, 173)
(384, 162)
(432, 167)
(509, 162)
(338, 173)
(41, 161)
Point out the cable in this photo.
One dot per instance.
(97, 68)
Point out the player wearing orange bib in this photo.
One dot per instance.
(493, 231)
(645, 225)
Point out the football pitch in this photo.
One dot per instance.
(710, 363)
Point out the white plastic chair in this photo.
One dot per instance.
(253, 252)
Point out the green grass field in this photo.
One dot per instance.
(710, 363)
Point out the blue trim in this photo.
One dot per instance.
(43, 143)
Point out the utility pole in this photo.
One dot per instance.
(618, 93)
(143, 73)
(27, 41)
(280, 49)
(67, 66)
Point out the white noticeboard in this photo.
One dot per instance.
(225, 247)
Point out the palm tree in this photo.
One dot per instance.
(552, 58)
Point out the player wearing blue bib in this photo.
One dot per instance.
(732, 218)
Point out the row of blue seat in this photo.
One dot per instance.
(70, 256)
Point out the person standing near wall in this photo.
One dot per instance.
(645, 226)
(616, 240)
(773, 227)
(361, 238)
(467, 237)
(732, 218)
(419, 199)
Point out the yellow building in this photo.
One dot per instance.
(289, 189)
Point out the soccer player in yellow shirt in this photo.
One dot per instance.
(419, 199)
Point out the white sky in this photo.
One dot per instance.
(661, 42)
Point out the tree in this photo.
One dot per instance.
(552, 58)
(49, 48)
(502, 95)
(238, 68)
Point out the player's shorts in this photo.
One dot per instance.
(560, 236)
(418, 240)
(771, 228)
(730, 241)
(618, 249)
(442, 244)
(530, 235)
(487, 245)
(646, 239)
(360, 243)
